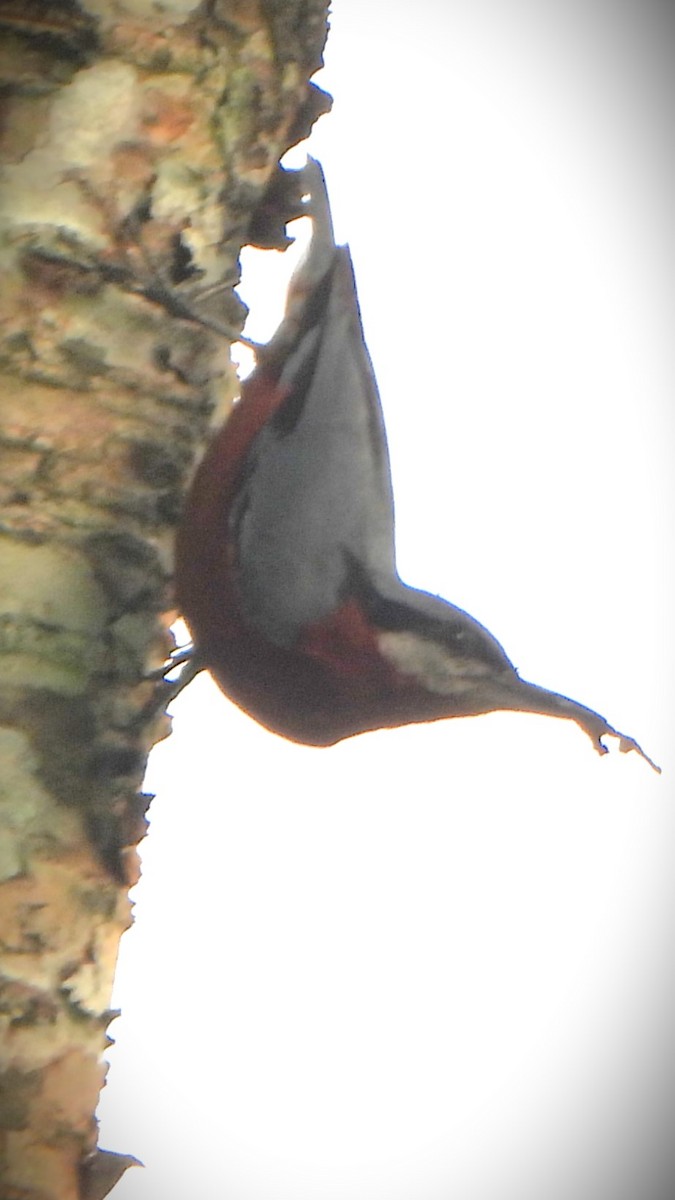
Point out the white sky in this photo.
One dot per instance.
(438, 962)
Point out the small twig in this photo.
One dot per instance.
(153, 284)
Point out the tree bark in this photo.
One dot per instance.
(138, 144)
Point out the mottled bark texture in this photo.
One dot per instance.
(138, 145)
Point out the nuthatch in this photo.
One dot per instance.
(285, 567)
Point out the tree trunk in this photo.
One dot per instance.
(138, 143)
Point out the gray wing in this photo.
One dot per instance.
(317, 489)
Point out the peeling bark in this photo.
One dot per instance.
(137, 145)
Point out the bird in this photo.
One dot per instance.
(285, 556)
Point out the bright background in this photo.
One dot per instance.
(439, 962)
